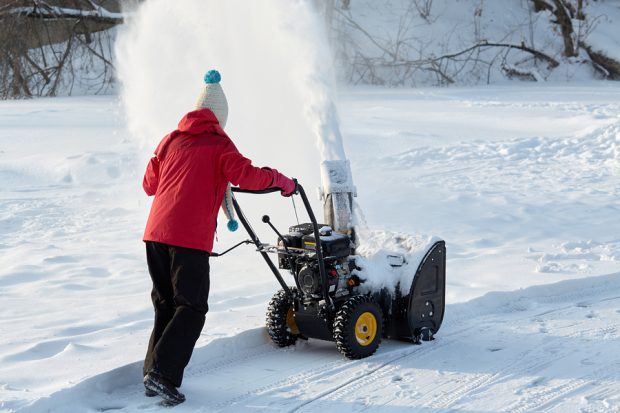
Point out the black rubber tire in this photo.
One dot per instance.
(278, 326)
(345, 322)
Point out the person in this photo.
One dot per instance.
(189, 175)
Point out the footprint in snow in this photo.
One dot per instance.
(592, 314)
(61, 259)
(76, 287)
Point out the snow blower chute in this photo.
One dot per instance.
(327, 301)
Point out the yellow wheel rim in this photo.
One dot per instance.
(366, 328)
(290, 322)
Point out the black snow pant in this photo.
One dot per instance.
(180, 294)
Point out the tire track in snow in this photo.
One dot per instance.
(518, 366)
(386, 368)
(288, 381)
(366, 378)
(466, 387)
(542, 398)
(429, 399)
(338, 373)
(340, 367)
(221, 364)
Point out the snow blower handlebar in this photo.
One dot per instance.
(219, 254)
(315, 226)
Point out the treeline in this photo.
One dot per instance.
(50, 47)
(442, 42)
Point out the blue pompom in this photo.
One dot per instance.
(232, 225)
(212, 76)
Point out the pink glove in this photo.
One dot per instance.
(287, 185)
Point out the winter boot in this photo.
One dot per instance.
(155, 382)
(147, 391)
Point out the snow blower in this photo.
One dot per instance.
(328, 301)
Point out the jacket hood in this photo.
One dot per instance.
(200, 121)
(196, 122)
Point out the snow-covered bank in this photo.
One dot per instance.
(494, 171)
(467, 42)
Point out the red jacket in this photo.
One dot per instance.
(188, 176)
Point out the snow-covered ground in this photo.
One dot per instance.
(523, 183)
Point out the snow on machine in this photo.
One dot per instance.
(328, 300)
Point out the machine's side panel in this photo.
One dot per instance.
(416, 312)
(427, 298)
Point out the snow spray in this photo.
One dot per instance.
(276, 72)
(276, 69)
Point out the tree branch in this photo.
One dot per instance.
(552, 62)
(46, 12)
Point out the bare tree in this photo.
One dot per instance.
(404, 57)
(401, 56)
(567, 11)
(424, 8)
(44, 44)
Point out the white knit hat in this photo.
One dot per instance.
(212, 97)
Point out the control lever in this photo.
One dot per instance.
(267, 221)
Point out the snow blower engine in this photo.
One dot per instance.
(329, 301)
